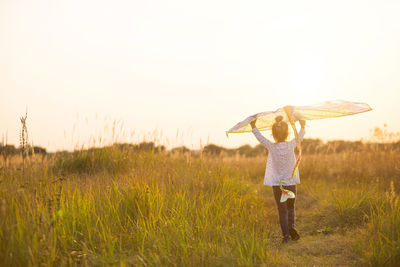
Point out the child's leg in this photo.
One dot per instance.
(291, 213)
(290, 206)
(282, 211)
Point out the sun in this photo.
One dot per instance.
(306, 83)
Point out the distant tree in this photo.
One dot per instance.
(248, 151)
(213, 149)
(245, 150)
(311, 145)
(39, 150)
(260, 150)
(383, 135)
(6, 151)
(141, 146)
(181, 149)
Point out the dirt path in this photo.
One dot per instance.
(322, 243)
(320, 250)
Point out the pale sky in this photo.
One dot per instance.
(184, 72)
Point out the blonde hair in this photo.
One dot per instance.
(280, 130)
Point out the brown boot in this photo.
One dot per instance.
(293, 234)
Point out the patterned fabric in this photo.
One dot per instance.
(281, 160)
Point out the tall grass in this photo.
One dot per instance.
(176, 210)
(105, 160)
(124, 207)
(359, 191)
(381, 243)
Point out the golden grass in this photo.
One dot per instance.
(126, 207)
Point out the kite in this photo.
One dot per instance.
(291, 114)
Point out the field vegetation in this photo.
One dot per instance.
(144, 205)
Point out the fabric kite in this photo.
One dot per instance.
(291, 114)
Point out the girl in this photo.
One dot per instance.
(280, 164)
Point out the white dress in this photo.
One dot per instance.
(281, 160)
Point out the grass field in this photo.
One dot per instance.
(122, 207)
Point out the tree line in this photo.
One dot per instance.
(309, 146)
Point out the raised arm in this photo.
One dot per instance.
(259, 136)
(302, 132)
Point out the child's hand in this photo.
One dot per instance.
(253, 123)
(302, 123)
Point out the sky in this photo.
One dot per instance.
(183, 72)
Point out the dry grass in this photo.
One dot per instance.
(126, 207)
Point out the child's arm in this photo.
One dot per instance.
(259, 136)
(302, 132)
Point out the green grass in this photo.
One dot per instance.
(382, 234)
(109, 159)
(124, 207)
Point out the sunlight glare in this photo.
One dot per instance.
(305, 84)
